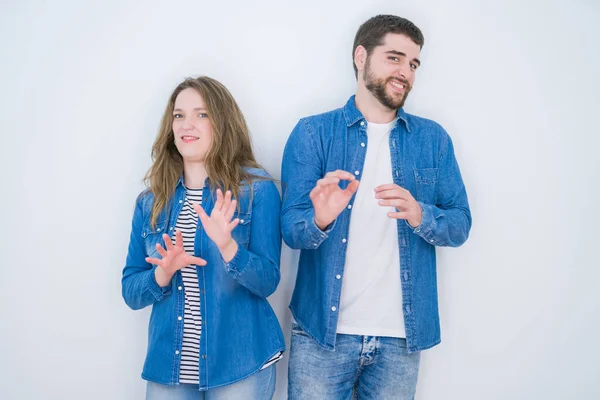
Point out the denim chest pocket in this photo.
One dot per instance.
(426, 181)
(241, 233)
(152, 236)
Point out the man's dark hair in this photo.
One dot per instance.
(371, 33)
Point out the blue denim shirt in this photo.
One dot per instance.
(423, 162)
(240, 331)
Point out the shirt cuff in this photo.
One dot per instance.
(238, 263)
(315, 234)
(158, 292)
(428, 223)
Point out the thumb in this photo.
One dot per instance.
(197, 261)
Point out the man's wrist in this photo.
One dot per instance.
(320, 224)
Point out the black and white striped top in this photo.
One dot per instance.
(187, 223)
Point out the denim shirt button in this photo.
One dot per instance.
(407, 308)
(338, 276)
(349, 206)
(179, 318)
(356, 172)
(176, 351)
(362, 144)
(344, 240)
(333, 308)
(180, 201)
(362, 123)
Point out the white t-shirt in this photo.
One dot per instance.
(371, 299)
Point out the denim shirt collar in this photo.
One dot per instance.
(353, 115)
(180, 182)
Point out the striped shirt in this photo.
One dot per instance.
(187, 223)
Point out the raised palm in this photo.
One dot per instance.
(174, 256)
(218, 226)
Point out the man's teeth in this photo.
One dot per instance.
(398, 85)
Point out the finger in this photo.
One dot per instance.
(397, 193)
(201, 213)
(398, 203)
(315, 192)
(229, 213)
(219, 202)
(233, 224)
(192, 260)
(341, 175)
(154, 261)
(161, 250)
(178, 238)
(168, 242)
(398, 215)
(328, 181)
(351, 188)
(226, 202)
(386, 186)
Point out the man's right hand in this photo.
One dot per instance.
(328, 199)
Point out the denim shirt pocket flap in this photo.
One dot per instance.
(152, 236)
(426, 181)
(241, 233)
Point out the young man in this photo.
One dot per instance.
(365, 301)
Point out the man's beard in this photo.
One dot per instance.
(377, 86)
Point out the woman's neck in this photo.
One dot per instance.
(194, 174)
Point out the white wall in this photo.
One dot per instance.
(82, 90)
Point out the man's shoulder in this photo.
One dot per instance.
(324, 119)
(424, 124)
(426, 128)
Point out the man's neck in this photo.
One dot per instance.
(371, 108)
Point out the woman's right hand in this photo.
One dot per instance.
(173, 259)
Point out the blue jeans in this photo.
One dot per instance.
(259, 386)
(361, 367)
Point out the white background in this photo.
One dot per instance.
(82, 89)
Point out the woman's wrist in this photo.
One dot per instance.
(229, 250)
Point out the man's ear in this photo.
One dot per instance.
(360, 58)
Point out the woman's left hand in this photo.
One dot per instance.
(219, 225)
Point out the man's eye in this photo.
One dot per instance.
(395, 59)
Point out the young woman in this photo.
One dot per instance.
(204, 252)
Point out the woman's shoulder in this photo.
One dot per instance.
(257, 173)
(146, 197)
(258, 181)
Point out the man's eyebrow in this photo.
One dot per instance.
(399, 53)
